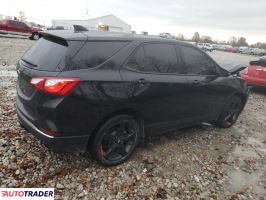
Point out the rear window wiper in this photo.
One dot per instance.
(28, 62)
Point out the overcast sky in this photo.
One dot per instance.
(219, 19)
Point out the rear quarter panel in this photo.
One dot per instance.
(3, 26)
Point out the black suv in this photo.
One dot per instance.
(104, 92)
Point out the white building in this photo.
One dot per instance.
(104, 23)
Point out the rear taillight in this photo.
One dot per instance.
(55, 85)
(245, 71)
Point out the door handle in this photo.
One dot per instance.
(195, 82)
(141, 81)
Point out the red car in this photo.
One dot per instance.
(19, 28)
(255, 73)
(230, 49)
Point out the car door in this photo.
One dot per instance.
(11, 27)
(204, 91)
(24, 28)
(16, 27)
(154, 86)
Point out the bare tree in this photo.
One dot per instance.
(242, 42)
(206, 39)
(259, 45)
(180, 37)
(196, 37)
(232, 41)
(22, 16)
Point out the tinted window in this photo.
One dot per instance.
(137, 61)
(45, 54)
(260, 62)
(13, 23)
(22, 25)
(160, 58)
(196, 62)
(95, 53)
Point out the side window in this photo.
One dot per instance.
(13, 23)
(196, 62)
(137, 61)
(161, 58)
(93, 54)
(157, 58)
(22, 25)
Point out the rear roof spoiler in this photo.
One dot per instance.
(53, 38)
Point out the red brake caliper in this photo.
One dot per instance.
(102, 152)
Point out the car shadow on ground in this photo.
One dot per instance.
(258, 90)
(81, 161)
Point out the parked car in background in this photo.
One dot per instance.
(259, 52)
(242, 49)
(231, 49)
(191, 42)
(18, 28)
(218, 47)
(246, 50)
(252, 51)
(166, 35)
(205, 46)
(255, 73)
(104, 92)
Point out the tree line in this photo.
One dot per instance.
(234, 41)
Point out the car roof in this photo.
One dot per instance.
(96, 35)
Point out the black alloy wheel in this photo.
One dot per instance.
(116, 140)
(231, 112)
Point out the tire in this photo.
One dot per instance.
(230, 113)
(35, 36)
(116, 140)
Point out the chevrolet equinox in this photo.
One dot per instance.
(105, 92)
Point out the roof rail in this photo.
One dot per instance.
(79, 28)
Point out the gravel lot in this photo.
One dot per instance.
(200, 162)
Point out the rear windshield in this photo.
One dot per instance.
(260, 62)
(45, 55)
(92, 54)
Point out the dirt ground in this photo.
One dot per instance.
(201, 162)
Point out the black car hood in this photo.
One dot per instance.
(236, 69)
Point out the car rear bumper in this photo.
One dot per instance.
(56, 144)
(250, 80)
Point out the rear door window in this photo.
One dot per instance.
(94, 53)
(22, 25)
(196, 62)
(157, 58)
(161, 58)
